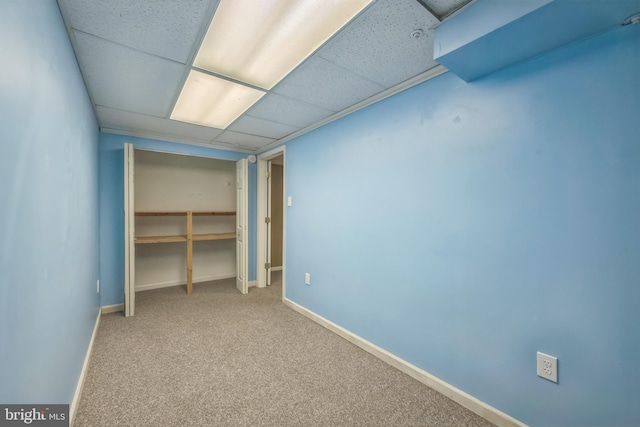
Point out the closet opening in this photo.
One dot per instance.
(186, 220)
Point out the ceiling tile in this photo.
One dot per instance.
(256, 126)
(444, 7)
(165, 28)
(132, 56)
(289, 111)
(125, 79)
(126, 121)
(243, 140)
(326, 85)
(379, 44)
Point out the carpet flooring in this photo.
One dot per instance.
(218, 358)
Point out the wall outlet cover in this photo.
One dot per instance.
(547, 367)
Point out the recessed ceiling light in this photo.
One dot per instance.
(211, 101)
(260, 42)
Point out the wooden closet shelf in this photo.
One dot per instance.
(189, 238)
(217, 236)
(160, 239)
(195, 237)
(184, 213)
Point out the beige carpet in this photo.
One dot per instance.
(218, 358)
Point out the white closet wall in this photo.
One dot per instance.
(170, 182)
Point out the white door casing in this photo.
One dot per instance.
(242, 222)
(269, 235)
(263, 160)
(129, 233)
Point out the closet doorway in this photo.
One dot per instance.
(186, 221)
(271, 208)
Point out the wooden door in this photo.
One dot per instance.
(277, 205)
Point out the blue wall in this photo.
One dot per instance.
(463, 227)
(48, 208)
(112, 205)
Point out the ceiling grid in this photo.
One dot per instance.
(135, 58)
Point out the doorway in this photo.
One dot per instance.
(271, 210)
(275, 211)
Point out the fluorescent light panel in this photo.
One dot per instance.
(211, 101)
(260, 42)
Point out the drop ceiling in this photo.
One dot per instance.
(135, 57)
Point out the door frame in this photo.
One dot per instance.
(129, 232)
(261, 241)
(269, 225)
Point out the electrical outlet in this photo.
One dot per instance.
(547, 367)
(98, 286)
(307, 279)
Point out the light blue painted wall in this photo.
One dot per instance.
(463, 227)
(48, 207)
(112, 205)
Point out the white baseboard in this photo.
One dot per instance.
(276, 268)
(486, 411)
(105, 309)
(252, 283)
(140, 288)
(83, 373)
